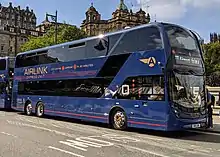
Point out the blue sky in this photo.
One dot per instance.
(199, 15)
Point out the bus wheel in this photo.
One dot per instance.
(28, 109)
(119, 119)
(40, 109)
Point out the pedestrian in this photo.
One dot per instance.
(211, 103)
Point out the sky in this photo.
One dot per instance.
(203, 16)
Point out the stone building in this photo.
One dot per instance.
(16, 24)
(46, 24)
(121, 17)
(214, 37)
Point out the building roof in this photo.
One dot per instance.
(122, 5)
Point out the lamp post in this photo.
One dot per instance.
(54, 18)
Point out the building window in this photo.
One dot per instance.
(12, 29)
(34, 33)
(2, 47)
(23, 31)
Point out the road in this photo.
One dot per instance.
(25, 136)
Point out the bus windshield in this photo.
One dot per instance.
(186, 81)
(181, 41)
(187, 89)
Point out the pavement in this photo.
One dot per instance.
(216, 125)
(216, 110)
(29, 136)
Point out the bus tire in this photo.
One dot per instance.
(119, 119)
(28, 109)
(40, 109)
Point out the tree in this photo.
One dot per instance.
(65, 33)
(212, 63)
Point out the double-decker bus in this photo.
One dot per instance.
(6, 79)
(149, 76)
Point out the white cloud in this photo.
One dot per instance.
(174, 9)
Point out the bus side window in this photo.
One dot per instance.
(145, 39)
(157, 89)
(143, 88)
(2, 87)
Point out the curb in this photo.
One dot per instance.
(210, 131)
(215, 114)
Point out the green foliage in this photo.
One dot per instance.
(212, 62)
(65, 33)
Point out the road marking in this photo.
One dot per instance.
(5, 133)
(82, 143)
(65, 151)
(119, 138)
(56, 126)
(34, 120)
(145, 151)
(176, 148)
(154, 138)
(42, 128)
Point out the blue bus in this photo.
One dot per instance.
(149, 76)
(6, 80)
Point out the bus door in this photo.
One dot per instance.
(2, 94)
(148, 91)
(8, 94)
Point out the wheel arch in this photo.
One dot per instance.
(40, 101)
(28, 101)
(113, 108)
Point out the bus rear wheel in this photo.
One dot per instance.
(28, 109)
(119, 119)
(40, 109)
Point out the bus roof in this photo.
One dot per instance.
(94, 37)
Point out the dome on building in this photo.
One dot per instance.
(122, 5)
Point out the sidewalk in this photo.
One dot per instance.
(216, 111)
(216, 126)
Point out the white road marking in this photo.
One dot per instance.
(42, 128)
(145, 151)
(37, 121)
(78, 127)
(5, 133)
(176, 148)
(151, 138)
(75, 144)
(82, 143)
(119, 138)
(199, 148)
(95, 142)
(65, 151)
(56, 126)
(115, 137)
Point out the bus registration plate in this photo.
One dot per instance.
(196, 125)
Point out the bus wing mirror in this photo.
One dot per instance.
(161, 66)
